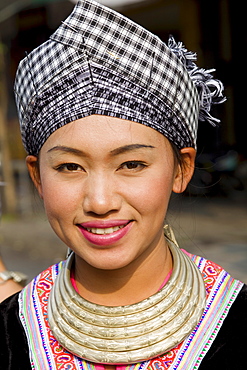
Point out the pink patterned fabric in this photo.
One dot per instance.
(46, 353)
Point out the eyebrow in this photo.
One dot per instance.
(67, 149)
(114, 152)
(126, 148)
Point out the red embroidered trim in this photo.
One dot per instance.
(65, 360)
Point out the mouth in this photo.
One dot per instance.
(105, 233)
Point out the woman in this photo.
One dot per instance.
(109, 117)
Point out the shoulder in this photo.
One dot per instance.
(13, 343)
(227, 319)
(9, 302)
(229, 347)
(9, 309)
(14, 312)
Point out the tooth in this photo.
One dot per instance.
(107, 230)
(100, 231)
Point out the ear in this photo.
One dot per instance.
(33, 169)
(185, 169)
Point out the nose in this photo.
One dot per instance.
(100, 195)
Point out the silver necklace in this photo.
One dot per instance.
(133, 333)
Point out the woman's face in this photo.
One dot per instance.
(106, 184)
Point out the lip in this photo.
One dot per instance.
(105, 239)
(104, 224)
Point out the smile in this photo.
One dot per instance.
(105, 233)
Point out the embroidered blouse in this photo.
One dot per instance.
(218, 341)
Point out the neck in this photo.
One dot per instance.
(127, 285)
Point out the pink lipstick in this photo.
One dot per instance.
(103, 233)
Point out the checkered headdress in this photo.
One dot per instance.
(100, 62)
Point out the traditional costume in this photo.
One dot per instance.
(217, 341)
(99, 62)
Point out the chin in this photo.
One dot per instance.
(107, 262)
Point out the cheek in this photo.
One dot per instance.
(153, 196)
(59, 198)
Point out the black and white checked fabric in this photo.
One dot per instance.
(100, 62)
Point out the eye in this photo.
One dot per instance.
(133, 165)
(69, 167)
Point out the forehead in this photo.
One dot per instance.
(97, 131)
